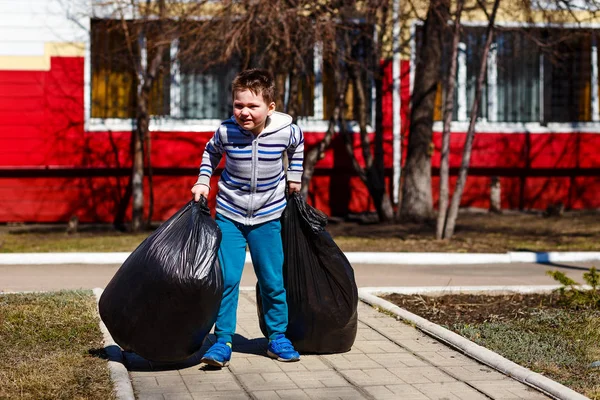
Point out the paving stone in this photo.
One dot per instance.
(144, 381)
(350, 361)
(507, 389)
(221, 396)
(253, 364)
(395, 392)
(267, 381)
(161, 389)
(210, 383)
(378, 346)
(178, 396)
(477, 372)
(395, 360)
(289, 394)
(306, 363)
(369, 334)
(414, 375)
(168, 380)
(402, 332)
(309, 380)
(420, 345)
(149, 396)
(450, 390)
(446, 358)
(334, 394)
(410, 360)
(367, 377)
(379, 322)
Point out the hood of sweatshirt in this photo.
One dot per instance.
(277, 121)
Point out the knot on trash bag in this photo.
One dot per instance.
(315, 219)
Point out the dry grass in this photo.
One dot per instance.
(47, 347)
(475, 233)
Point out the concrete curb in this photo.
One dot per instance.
(469, 348)
(353, 257)
(118, 373)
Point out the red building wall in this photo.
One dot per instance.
(51, 168)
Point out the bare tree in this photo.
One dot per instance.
(417, 202)
(466, 158)
(448, 109)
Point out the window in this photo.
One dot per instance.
(113, 79)
(205, 90)
(533, 75)
(189, 88)
(360, 37)
(182, 89)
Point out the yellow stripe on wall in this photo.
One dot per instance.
(42, 63)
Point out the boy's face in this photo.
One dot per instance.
(251, 111)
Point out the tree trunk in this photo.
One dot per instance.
(137, 171)
(464, 167)
(148, 153)
(448, 108)
(417, 202)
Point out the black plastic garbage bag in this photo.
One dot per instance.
(321, 291)
(164, 299)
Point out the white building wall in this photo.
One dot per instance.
(34, 30)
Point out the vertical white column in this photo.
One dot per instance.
(461, 84)
(87, 83)
(175, 84)
(492, 83)
(594, 81)
(396, 99)
(318, 89)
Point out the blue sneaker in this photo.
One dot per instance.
(282, 349)
(218, 355)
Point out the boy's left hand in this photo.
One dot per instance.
(294, 187)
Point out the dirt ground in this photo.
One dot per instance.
(480, 232)
(473, 308)
(476, 232)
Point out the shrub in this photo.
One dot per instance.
(573, 294)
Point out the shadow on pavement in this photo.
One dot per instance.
(135, 362)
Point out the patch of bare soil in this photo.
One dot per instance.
(450, 309)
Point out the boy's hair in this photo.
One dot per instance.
(258, 81)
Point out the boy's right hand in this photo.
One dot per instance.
(200, 190)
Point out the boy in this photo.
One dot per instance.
(250, 202)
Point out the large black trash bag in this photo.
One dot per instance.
(321, 291)
(164, 299)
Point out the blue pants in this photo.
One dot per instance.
(266, 250)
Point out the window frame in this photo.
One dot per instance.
(490, 125)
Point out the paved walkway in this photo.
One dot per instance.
(389, 360)
(75, 276)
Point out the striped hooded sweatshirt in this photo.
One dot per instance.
(252, 185)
